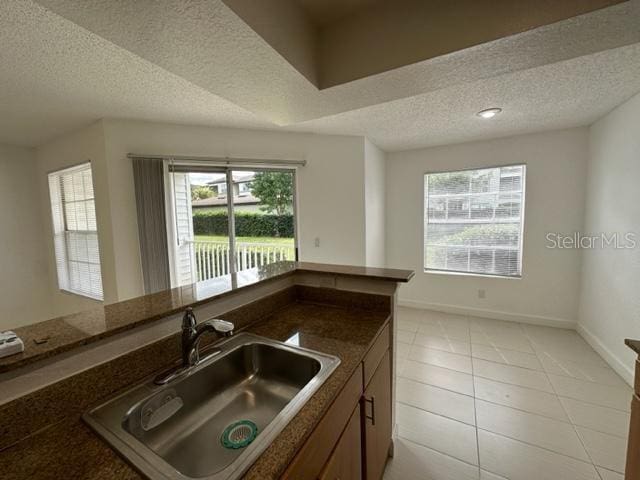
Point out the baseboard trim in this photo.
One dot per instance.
(614, 362)
(494, 314)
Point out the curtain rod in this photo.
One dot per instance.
(223, 160)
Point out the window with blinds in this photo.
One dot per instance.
(75, 233)
(473, 221)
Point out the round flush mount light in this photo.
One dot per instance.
(489, 112)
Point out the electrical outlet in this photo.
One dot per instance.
(317, 242)
(482, 293)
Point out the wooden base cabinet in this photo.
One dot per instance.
(345, 462)
(376, 413)
(353, 439)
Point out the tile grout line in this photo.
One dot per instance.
(535, 353)
(470, 342)
(548, 449)
(506, 363)
(479, 376)
(569, 422)
(440, 452)
(499, 434)
(438, 386)
(513, 384)
(434, 413)
(532, 353)
(475, 409)
(586, 451)
(454, 420)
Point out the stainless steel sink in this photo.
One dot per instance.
(216, 419)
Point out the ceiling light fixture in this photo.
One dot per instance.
(489, 112)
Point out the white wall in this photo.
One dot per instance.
(548, 291)
(331, 188)
(79, 147)
(374, 200)
(24, 288)
(610, 297)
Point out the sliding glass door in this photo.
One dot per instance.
(264, 217)
(227, 220)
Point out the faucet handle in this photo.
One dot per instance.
(222, 327)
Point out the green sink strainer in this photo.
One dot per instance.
(239, 434)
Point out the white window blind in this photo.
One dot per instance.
(75, 233)
(473, 221)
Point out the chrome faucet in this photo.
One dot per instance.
(192, 332)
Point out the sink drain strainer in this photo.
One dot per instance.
(239, 434)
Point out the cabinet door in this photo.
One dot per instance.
(315, 453)
(376, 407)
(346, 460)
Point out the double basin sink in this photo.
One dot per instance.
(216, 419)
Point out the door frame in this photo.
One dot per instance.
(294, 174)
(228, 171)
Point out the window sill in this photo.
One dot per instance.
(468, 274)
(81, 295)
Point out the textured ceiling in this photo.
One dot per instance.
(562, 95)
(354, 39)
(206, 43)
(56, 76)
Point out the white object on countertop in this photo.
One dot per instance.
(10, 344)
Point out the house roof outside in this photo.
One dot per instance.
(244, 178)
(215, 201)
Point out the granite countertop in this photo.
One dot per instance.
(633, 345)
(62, 334)
(70, 449)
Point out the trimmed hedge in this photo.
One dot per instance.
(247, 224)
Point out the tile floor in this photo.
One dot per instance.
(490, 400)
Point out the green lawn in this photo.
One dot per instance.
(272, 240)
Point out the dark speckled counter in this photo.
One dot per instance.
(70, 450)
(51, 337)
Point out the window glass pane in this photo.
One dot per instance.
(262, 211)
(204, 227)
(458, 207)
(474, 220)
(483, 206)
(263, 217)
(437, 208)
(75, 229)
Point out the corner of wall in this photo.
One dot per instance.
(374, 204)
(82, 145)
(608, 306)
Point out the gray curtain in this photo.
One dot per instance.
(148, 175)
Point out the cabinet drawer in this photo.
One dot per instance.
(313, 455)
(375, 354)
(637, 389)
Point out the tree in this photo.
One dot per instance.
(200, 192)
(275, 191)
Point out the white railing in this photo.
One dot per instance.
(212, 258)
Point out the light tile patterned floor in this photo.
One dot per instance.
(490, 400)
